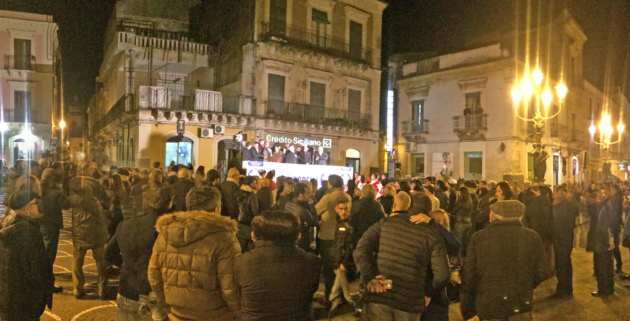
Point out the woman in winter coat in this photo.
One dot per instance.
(117, 195)
(365, 213)
(277, 156)
(248, 209)
(387, 200)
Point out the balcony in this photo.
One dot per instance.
(470, 127)
(577, 138)
(123, 105)
(19, 62)
(414, 131)
(291, 35)
(282, 110)
(560, 132)
(166, 99)
(165, 44)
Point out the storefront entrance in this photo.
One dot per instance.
(23, 150)
(179, 150)
(353, 159)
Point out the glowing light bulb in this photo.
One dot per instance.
(527, 88)
(547, 97)
(592, 130)
(516, 95)
(3, 127)
(620, 128)
(537, 76)
(561, 89)
(62, 124)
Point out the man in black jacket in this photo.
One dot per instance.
(247, 203)
(365, 213)
(181, 188)
(289, 156)
(301, 208)
(248, 155)
(229, 207)
(440, 194)
(264, 195)
(51, 220)
(603, 226)
(26, 275)
(538, 218)
(257, 155)
(321, 158)
(276, 279)
(405, 252)
(344, 264)
(504, 264)
(136, 191)
(565, 210)
(134, 240)
(482, 218)
(527, 195)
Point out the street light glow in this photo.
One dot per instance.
(547, 97)
(537, 75)
(3, 127)
(561, 89)
(620, 128)
(592, 129)
(62, 124)
(527, 87)
(516, 95)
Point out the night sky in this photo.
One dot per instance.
(409, 25)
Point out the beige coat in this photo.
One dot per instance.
(328, 221)
(191, 269)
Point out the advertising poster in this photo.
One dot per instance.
(442, 165)
(302, 172)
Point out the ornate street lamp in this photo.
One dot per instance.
(606, 131)
(535, 88)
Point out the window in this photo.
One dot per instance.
(356, 40)
(318, 94)
(318, 27)
(354, 105)
(353, 159)
(473, 165)
(76, 129)
(275, 94)
(473, 102)
(278, 16)
(417, 112)
(417, 165)
(22, 54)
(22, 106)
(179, 150)
(131, 153)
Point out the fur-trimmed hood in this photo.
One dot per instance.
(184, 228)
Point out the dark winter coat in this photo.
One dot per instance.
(276, 282)
(538, 218)
(321, 159)
(593, 233)
(248, 154)
(342, 252)
(134, 240)
(26, 274)
(248, 209)
(443, 198)
(89, 225)
(50, 208)
(319, 193)
(265, 198)
(229, 206)
(482, 217)
(387, 201)
(180, 190)
(461, 212)
(505, 262)
(256, 155)
(405, 252)
(364, 213)
(306, 213)
(136, 194)
(526, 197)
(290, 158)
(603, 238)
(277, 157)
(564, 214)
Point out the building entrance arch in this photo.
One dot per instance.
(353, 159)
(179, 150)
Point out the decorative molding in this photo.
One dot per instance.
(324, 5)
(320, 75)
(415, 93)
(275, 65)
(472, 84)
(356, 82)
(357, 15)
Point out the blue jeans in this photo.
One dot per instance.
(381, 312)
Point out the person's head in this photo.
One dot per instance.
(390, 190)
(213, 176)
(292, 148)
(491, 185)
(314, 184)
(342, 207)
(43, 163)
(482, 192)
(155, 177)
(301, 192)
(25, 202)
(441, 217)
(483, 183)
(368, 191)
(508, 210)
(464, 195)
(263, 182)
(335, 181)
(442, 185)
(201, 170)
(591, 198)
(299, 148)
(397, 184)
(514, 185)
(504, 191)
(401, 202)
(383, 177)
(417, 188)
(94, 164)
(280, 227)
(270, 175)
(204, 198)
(256, 145)
(135, 172)
(362, 179)
(253, 182)
(356, 175)
(234, 174)
(351, 185)
(160, 199)
(374, 176)
(527, 185)
(320, 150)
(405, 187)
(562, 193)
(156, 165)
(276, 147)
(183, 173)
(248, 145)
(242, 172)
(325, 184)
(429, 190)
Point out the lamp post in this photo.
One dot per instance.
(606, 131)
(62, 125)
(534, 88)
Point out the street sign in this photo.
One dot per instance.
(53, 142)
(181, 126)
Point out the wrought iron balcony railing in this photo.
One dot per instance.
(292, 35)
(19, 62)
(470, 123)
(123, 105)
(282, 110)
(559, 131)
(415, 127)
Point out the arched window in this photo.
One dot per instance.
(131, 153)
(353, 159)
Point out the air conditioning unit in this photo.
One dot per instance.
(205, 132)
(219, 130)
(410, 147)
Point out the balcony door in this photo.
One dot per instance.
(317, 100)
(417, 115)
(354, 105)
(356, 40)
(22, 106)
(22, 54)
(318, 27)
(278, 17)
(275, 94)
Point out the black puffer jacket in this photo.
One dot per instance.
(405, 252)
(248, 209)
(538, 217)
(505, 262)
(52, 200)
(308, 218)
(387, 201)
(365, 213)
(229, 206)
(180, 190)
(461, 212)
(277, 282)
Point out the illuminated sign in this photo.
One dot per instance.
(390, 120)
(324, 142)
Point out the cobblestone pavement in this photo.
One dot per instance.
(582, 307)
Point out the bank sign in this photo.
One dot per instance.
(325, 142)
(301, 172)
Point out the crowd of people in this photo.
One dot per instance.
(289, 153)
(255, 247)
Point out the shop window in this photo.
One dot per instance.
(473, 165)
(417, 165)
(179, 150)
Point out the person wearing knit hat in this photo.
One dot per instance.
(505, 257)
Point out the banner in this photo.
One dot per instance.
(442, 165)
(301, 172)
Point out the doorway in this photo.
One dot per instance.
(353, 159)
(179, 150)
(22, 149)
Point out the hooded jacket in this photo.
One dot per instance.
(26, 276)
(192, 266)
(326, 211)
(89, 225)
(248, 209)
(306, 213)
(229, 207)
